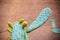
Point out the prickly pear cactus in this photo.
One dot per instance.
(17, 29)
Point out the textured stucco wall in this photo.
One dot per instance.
(12, 10)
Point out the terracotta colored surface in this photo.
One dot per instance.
(12, 10)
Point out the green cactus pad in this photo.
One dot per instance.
(18, 32)
(41, 19)
(54, 29)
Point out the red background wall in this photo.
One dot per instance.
(12, 10)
